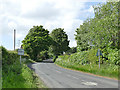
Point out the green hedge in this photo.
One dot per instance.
(10, 58)
(16, 75)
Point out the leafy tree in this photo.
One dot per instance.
(72, 50)
(102, 29)
(37, 40)
(60, 41)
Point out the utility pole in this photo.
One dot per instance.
(14, 38)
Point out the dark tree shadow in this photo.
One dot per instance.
(47, 61)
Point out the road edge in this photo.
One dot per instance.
(86, 72)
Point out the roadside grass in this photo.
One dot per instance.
(15, 75)
(38, 81)
(24, 78)
(105, 70)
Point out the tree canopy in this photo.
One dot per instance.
(102, 30)
(37, 40)
(60, 41)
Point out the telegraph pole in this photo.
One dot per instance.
(14, 38)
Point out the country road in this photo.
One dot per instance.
(57, 77)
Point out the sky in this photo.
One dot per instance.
(24, 14)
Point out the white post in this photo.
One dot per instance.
(20, 59)
(99, 57)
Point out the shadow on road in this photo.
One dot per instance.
(47, 61)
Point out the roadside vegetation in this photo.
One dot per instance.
(101, 32)
(15, 75)
(79, 61)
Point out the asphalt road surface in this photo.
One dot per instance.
(57, 77)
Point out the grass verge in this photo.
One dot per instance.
(39, 82)
(105, 70)
(23, 79)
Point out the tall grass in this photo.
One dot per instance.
(23, 77)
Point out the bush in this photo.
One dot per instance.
(91, 56)
(8, 57)
(79, 58)
(113, 56)
(110, 56)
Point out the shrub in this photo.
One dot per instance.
(9, 58)
(113, 56)
(91, 56)
(79, 58)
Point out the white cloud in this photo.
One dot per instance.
(73, 44)
(19, 35)
(91, 9)
(24, 14)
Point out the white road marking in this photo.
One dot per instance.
(72, 76)
(89, 83)
(75, 77)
